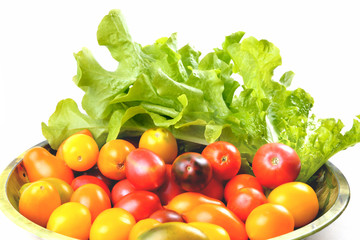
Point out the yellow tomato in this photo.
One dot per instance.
(38, 201)
(112, 224)
(142, 226)
(162, 142)
(299, 198)
(80, 152)
(213, 231)
(71, 219)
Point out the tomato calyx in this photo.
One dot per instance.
(275, 161)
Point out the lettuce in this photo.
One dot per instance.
(197, 98)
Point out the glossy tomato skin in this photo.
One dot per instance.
(225, 159)
(275, 164)
(299, 198)
(38, 201)
(94, 171)
(112, 156)
(142, 226)
(170, 188)
(144, 169)
(219, 215)
(192, 171)
(241, 181)
(166, 215)
(85, 179)
(215, 189)
(268, 221)
(121, 189)
(244, 201)
(161, 141)
(40, 163)
(141, 204)
(71, 219)
(93, 197)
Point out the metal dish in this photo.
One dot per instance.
(329, 183)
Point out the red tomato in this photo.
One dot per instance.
(141, 204)
(170, 188)
(93, 197)
(215, 189)
(144, 169)
(166, 215)
(225, 159)
(244, 201)
(241, 181)
(192, 171)
(40, 163)
(275, 164)
(85, 179)
(94, 171)
(121, 189)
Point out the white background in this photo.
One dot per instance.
(318, 40)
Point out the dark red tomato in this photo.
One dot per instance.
(94, 171)
(244, 201)
(215, 189)
(192, 171)
(170, 188)
(167, 215)
(121, 189)
(86, 179)
(225, 159)
(141, 204)
(241, 181)
(144, 169)
(275, 164)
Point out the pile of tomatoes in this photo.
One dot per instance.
(146, 190)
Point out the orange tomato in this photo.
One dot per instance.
(162, 142)
(299, 198)
(38, 201)
(213, 231)
(218, 215)
(59, 152)
(71, 219)
(142, 226)
(93, 197)
(40, 163)
(185, 202)
(268, 221)
(80, 152)
(112, 224)
(112, 156)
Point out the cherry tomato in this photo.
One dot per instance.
(85, 179)
(141, 204)
(184, 202)
(220, 216)
(39, 163)
(241, 181)
(244, 201)
(299, 198)
(113, 223)
(162, 142)
(170, 188)
(80, 152)
(93, 197)
(38, 201)
(215, 189)
(192, 171)
(225, 159)
(94, 171)
(64, 189)
(112, 158)
(166, 215)
(275, 164)
(142, 226)
(121, 189)
(144, 169)
(71, 219)
(268, 221)
(213, 231)
(59, 152)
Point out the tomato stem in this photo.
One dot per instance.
(275, 161)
